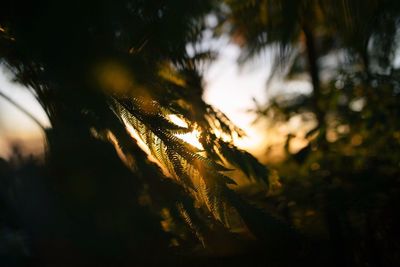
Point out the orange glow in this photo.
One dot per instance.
(168, 74)
(192, 137)
(114, 77)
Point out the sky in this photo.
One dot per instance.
(231, 88)
(228, 87)
(15, 126)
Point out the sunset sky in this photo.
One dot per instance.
(229, 87)
(15, 126)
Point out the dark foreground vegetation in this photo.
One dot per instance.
(102, 68)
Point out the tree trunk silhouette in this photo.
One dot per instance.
(312, 58)
(332, 215)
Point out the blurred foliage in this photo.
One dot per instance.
(343, 185)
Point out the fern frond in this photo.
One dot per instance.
(189, 221)
(222, 123)
(200, 175)
(243, 161)
(179, 169)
